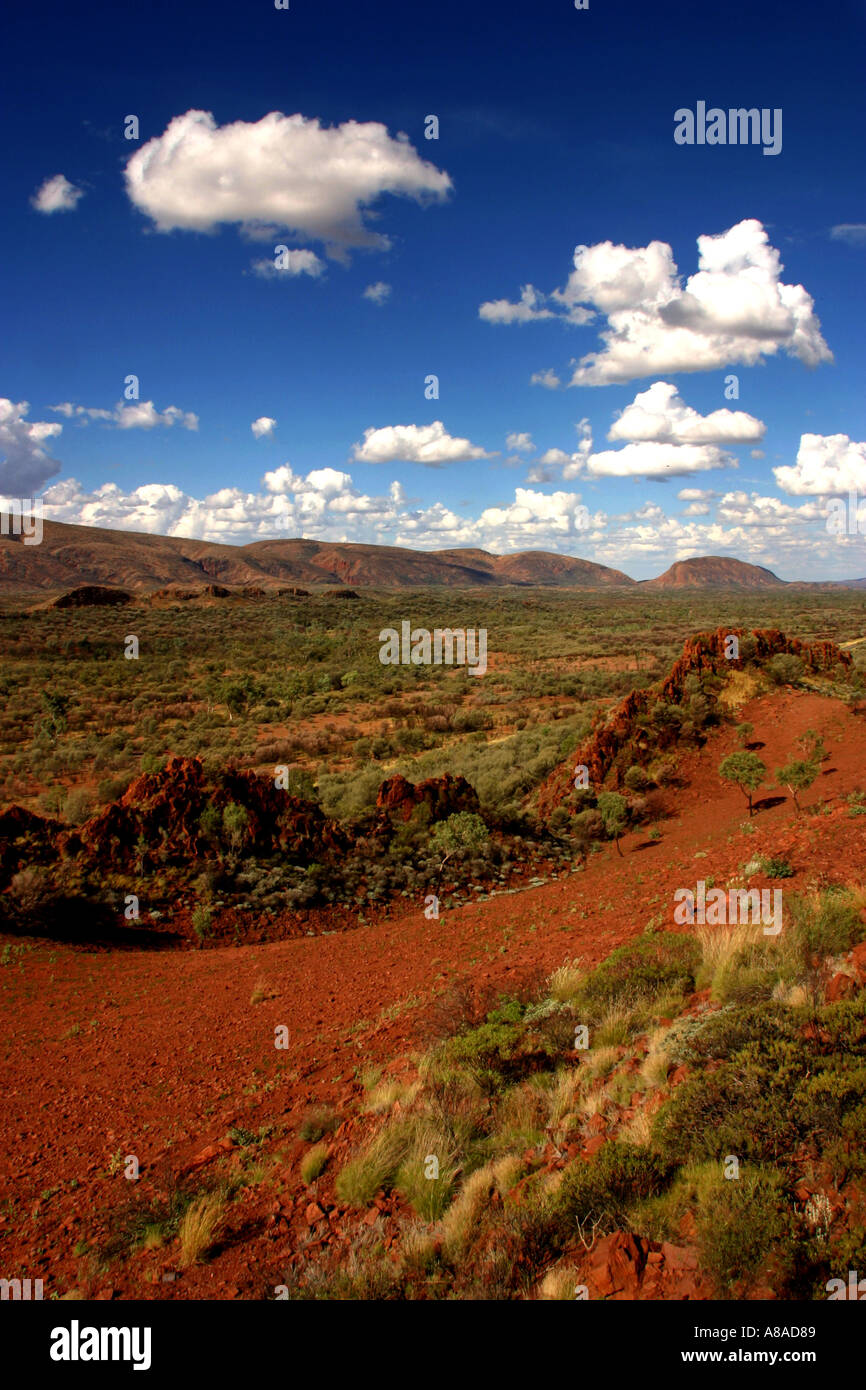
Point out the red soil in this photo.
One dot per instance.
(159, 1054)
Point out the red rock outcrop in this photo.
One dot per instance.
(444, 796)
(165, 809)
(25, 839)
(703, 653)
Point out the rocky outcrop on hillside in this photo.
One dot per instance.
(443, 795)
(92, 596)
(623, 739)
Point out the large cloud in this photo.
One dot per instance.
(651, 460)
(25, 466)
(282, 173)
(427, 444)
(735, 308)
(826, 464)
(659, 414)
(56, 194)
(657, 451)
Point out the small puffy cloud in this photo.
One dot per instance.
(696, 494)
(546, 378)
(137, 415)
(264, 427)
(143, 415)
(555, 458)
(81, 413)
(377, 293)
(25, 465)
(526, 310)
(56, 195)
(756, 453)
(854, 233)
(541, 472)
(520, 443)
(660, 415)
(427, 444)
(286, 173)
(826, 464)
(288, 264)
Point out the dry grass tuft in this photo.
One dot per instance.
(199, 1227)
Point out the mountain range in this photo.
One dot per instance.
(71, 555)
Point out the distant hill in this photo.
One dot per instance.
(715, 571)
(71, 557)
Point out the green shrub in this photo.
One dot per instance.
(603, 1188)
(785, 669)
(828, 923)
(502, 1050)
(639, 972)
(745, 1228)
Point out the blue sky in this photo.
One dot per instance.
(411, 257)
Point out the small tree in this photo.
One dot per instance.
(744, 733)
(462, 831)
(746, 770)
(613, 810)
(797, 775)
(235, 823)
(56, 708)
(812, 745)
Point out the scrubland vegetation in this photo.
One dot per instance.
(696, 1052)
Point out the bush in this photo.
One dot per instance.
(502, 1050)
(605, 1187)
(745, 1227)
(827, 923)
(640, 971)
(777, 1088)
(785, 669)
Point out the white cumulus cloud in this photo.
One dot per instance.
(735, 308)
(659, 414)
(528, 308)
(264, 427)
(136, 415)
(282, 172)
(826, 464)
(427, 444)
